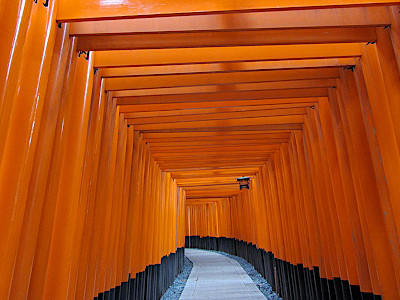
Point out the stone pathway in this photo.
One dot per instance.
(215, 276)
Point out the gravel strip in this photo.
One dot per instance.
(258, 280)
(176, 289)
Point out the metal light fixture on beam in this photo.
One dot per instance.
(243, 182)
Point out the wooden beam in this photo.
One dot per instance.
(76, 10)
(213, 161)
(320, 18)
(209, 134)
(221, 193)
(211, 200)
(202, 201)
(239, 136)
(163, 81)
(218, 116)
(211, 184)
(225, 100)
(216, 186)
(174, 167)
(250, 96)
(258, 86)
(160, 57)
(194, 143)
(263, 127)
(232, 189)
(207, 111)
(186, 157)
(217, 152)
(222, 149)
(185, 169)
(211, 173)
(225, 39)
(224, 67)
(272, 120)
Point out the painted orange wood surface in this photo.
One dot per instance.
(112, 156)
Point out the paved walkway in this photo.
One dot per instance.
(215, 276)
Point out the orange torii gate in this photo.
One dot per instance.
(124, 125)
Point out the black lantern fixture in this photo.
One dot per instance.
(244, 182)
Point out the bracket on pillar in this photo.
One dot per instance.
(84, 52)
(350, 68)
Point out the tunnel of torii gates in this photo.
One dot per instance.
(124, 125)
